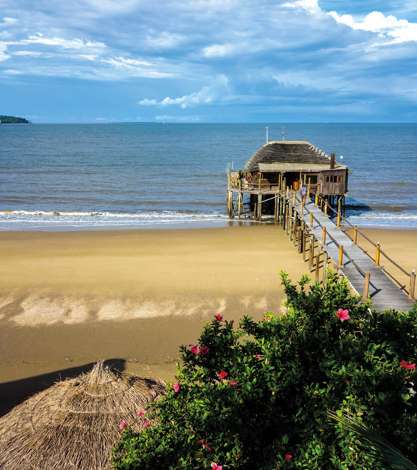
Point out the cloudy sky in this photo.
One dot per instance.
(209, 60)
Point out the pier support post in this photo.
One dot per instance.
(230, 204)
(276, 208)
(239, 204)
(259, 215)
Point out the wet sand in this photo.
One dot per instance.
(69, 299)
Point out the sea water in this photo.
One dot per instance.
(92, 176)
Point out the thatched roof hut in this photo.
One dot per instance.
(296, 155)
(75, 423)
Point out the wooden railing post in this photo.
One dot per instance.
(340, 257)
(378, 254)
(308, 191)
(311, 258)
(355, 234)
(326, 207)
(365, 293)
(339, 214)
(325, 262)
(317, 272)
(324, 235)
(412, 293)
(311, 220)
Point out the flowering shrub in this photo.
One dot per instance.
(257, 397)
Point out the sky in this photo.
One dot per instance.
(209, 60)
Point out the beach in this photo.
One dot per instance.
(134, 296)
(69, 299)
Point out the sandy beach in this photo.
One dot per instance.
(68, 299)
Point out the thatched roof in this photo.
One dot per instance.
(75, 423)
(287, 152)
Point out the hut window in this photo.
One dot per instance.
(312, 179)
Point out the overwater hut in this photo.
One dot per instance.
(74, 424)
(279, 165)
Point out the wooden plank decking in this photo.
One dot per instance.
(384, 293)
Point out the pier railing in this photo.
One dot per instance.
(379, 255)
(315, 262)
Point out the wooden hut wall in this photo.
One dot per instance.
(333, 182)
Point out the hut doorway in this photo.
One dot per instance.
(292, 180)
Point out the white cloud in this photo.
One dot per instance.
(27, 53)
(76, 43)
(3, 52)
(312, 6)
(396, 30)
(206, 95)
(219, 50)
(113, 6)
(164, 40)
(389, 27)
(8, 21)
(135, 67)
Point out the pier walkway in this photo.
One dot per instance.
(361, 271)
(326, 240)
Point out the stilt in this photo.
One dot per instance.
(259, 206)
(239, 204)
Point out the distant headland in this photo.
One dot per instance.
(13, 120)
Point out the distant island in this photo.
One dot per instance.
(13, 120)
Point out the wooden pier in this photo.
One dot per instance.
(303, 189)
(320, 235)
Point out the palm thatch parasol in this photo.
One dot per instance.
(75, 423)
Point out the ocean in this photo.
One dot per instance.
(109, 176)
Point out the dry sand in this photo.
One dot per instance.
(68, 299)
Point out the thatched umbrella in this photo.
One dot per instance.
(75, 423)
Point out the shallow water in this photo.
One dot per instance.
(71, 177)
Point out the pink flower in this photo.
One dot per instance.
(146, 423)
(222, 374)
(195, 349)
(141, 413)
(199, 350)
(288, 457)
(343, 314)
(123, 424)
(407, 365)
(233, 383)
(259, 357)
(204, 444)
(177, 387)
(218, 317)
(215, 466)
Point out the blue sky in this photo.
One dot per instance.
(209, 60)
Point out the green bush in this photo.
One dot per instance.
(257, 397)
